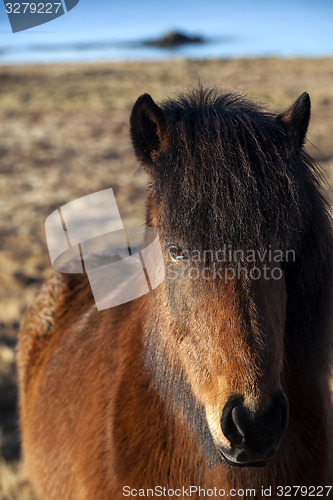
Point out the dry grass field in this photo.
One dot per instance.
(64, 133)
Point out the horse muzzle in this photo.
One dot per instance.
(254, 436)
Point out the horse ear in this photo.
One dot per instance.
(298, 116)
(149, 129)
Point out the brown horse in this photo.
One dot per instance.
(218, 378)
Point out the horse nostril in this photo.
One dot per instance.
(255, 434)
(230, 425)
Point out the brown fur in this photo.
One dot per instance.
(133, 395)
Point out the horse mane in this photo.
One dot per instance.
(234, 174)
(229, 161)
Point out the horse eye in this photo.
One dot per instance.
(177, 253)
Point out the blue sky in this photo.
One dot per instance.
(257, 27)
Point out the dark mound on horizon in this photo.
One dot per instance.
(174, 39)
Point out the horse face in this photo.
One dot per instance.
(229, 338)
(227, 334)
(223, 326)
